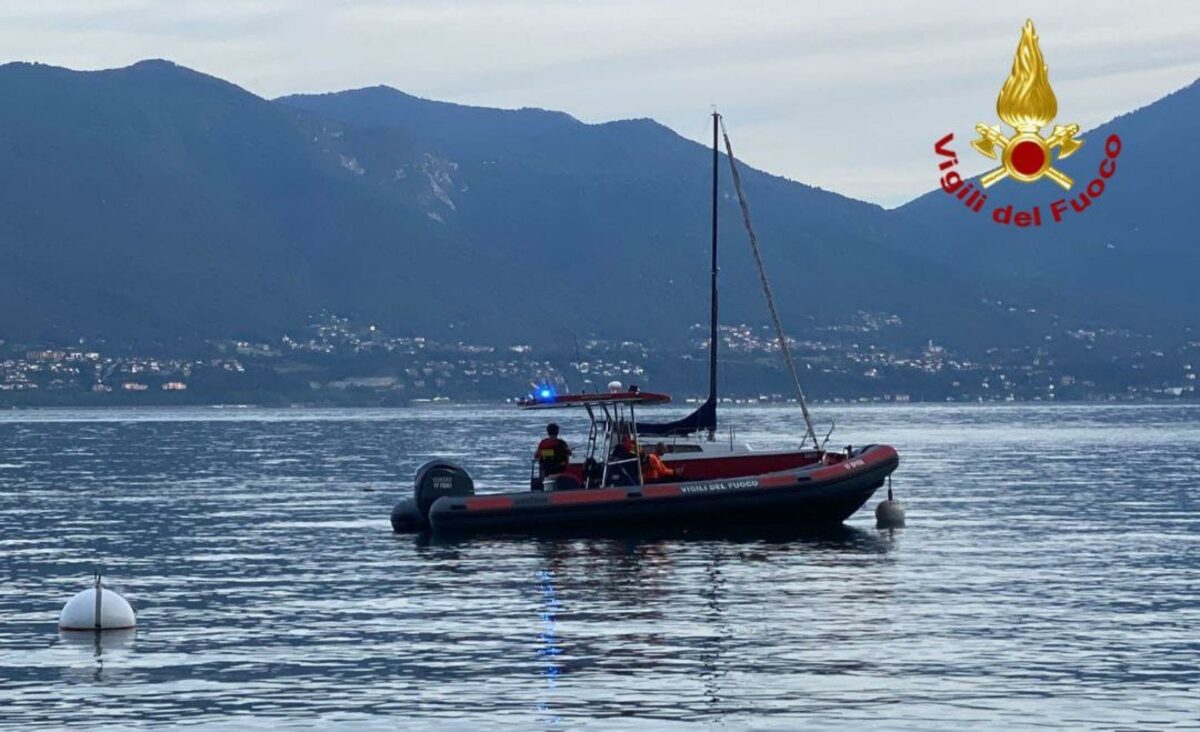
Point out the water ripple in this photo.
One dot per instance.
(1048, 577)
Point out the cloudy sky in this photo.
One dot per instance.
(846, 95)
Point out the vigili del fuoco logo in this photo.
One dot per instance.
(1027, 105)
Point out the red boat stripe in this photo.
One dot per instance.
(776, 481)
(488, 503)
(703, 467)
(592, 496)
(661, 491)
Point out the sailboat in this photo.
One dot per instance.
(711, 482)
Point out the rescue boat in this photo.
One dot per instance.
(821, 487)
(716, 483)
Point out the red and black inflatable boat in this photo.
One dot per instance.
(826, 492)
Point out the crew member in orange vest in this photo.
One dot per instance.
(552, 453)
(656, 469)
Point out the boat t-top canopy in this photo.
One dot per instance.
(559, 401)
(612, 436)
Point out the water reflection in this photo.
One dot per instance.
(98, 643)
(842, 537)
(628, 595)
(548, 651)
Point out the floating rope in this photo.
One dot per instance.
(766, 285)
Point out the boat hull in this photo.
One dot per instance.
(819, 494)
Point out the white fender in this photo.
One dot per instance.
(889, 514)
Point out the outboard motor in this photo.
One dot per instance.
(434, 479)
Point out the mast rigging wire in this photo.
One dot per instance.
(766, 285)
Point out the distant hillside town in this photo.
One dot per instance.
(337, 361)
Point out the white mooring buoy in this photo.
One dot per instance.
(97, 608)
(889, 514)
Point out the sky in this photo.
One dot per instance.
(849, 96)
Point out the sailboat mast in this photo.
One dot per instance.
(712, 332)
(704, 419)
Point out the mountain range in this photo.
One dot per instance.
(156, 204)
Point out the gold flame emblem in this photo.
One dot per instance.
(1027, 104)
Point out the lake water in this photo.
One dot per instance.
(1049, 576)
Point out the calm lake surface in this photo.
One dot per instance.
(1049, 576)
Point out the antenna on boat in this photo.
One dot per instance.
(762, 275)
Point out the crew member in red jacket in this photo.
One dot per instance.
(553, 453)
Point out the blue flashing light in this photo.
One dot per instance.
(546, 393)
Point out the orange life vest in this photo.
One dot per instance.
(656, 469)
